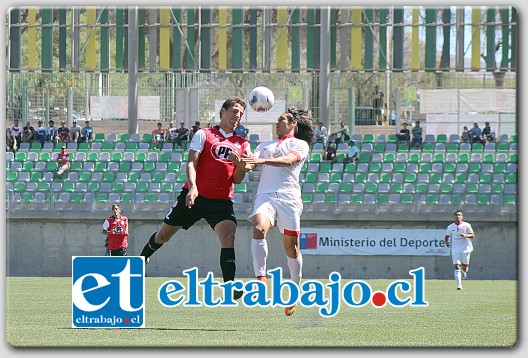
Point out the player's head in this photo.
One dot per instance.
(232, 111)
(305, 124)
(116, 210)
(459, 216)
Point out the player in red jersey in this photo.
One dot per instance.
(116, 229)
(214, 165)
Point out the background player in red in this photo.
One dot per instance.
(214, 165)
(116, 229)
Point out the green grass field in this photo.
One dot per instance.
(485, 314)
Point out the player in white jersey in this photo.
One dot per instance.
(278, 196)
(460, 234)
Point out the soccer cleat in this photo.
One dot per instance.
(288, 311)
(459, 288)
(262, 279)
(237, 294)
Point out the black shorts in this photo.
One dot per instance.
(119, 252)
(212, 210)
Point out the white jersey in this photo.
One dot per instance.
(460, 244)
(281, 179)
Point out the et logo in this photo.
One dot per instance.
(221, 150)
(108, 292)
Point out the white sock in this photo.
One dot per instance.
(295, 266)
(458, 277)
(259, 249)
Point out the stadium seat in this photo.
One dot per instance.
(477, 147)
(99, 137)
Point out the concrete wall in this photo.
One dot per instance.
(42, 245)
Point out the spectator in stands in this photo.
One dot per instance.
(182, 136)
(241, 130)
(330, 152)
(40, 133)
(28, 133)
(11, 142)
(416, 135)
(341, 135)
(321, 133)
(465, 137)
(377, 104)
(488, 134)
(16, 131)
(352, 153)
(158, 136)
(63, 161)
(404, 135)
(86, 133)
(475, 134)
(171, 133)
(52, 131)
(194, 129)
(75, 131)
(63, 133)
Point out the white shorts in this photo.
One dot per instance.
(285, 207)
(461, 258)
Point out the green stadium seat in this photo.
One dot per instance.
(35, 177)
(173, 167)
(428, 147)
(471, 188)
(329, 199)
(141, 187)
(336, 177)
(345, 187)
(488, 158)
(316, 157)
(439, 158)
(107, 147)
(100, 167)
(396, 188)
(182, 177)
(511, 178)
(149, 167)
(35, 147)
(368, 138)
(391, 138)
(446, 188)
(99, 137)
(325, 167)
(485, 178)
(118, 187)
(164, 157)
(44, 157)
(403, 147)
(131, 147)
(509, 199)
(400, 167)
(449, 167)
(513, 158)
(513, 138)
(375, 167)
(92, 157)
(432, 199)
(441, 138)
(385, 178)
(360, 178)
(241, 188)
(497, 188)
(477, 147)
(435, 178)
(85, 177)
(474, 168)
(11, 176)
(133, 177)
(499, 168)
(502, 147)
(19, 187)
(68, 186)
(157, 177)
(93, 186)
(350, 168)
(463, 157)
(414, 157)
(83, 147)
(310, 177)
(44, 186)
(410, 178)
(389, 158)
(147, 138)
(20, 156)
(452, 147)
(109, 177)
(307, 198)
(379, 148)
(356, 199)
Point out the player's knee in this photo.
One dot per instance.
(259, 232)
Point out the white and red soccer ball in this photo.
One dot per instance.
(261, 99)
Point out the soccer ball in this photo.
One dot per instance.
(261, 99)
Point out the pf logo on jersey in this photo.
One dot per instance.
(221, 150)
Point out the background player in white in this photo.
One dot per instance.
(460, 234)
(279, 193)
